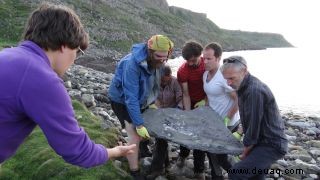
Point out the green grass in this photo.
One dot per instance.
(35, 159)
(13, 14)
(5, 43)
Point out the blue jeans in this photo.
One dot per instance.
(255, 165)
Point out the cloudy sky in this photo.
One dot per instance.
(297, 20)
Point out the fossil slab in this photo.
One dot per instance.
(201, 129)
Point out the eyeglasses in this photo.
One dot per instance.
(80, 53)
(233, 60)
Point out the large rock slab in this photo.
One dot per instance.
(201, 129)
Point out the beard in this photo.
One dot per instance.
(194, 66)
(154, 63)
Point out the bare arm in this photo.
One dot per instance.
(186, 97)
(120, 151)
(234, 108)
(246, 152)
(158, 103)
(207, 101)
(178, 94)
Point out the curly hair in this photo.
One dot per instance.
(191, 49)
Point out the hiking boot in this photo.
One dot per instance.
(199, 176)
(180, 162)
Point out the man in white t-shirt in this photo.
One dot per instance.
(221, 98)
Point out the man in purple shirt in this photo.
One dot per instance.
(32, 93)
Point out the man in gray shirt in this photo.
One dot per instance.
(264, 139)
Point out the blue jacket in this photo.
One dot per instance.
(130, 85)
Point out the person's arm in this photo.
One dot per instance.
(254, 111)
(234, 108)
(45, 101)
(186, 101)
(131, 88)
(245, 152)
(178, 93)
(207, 101)
(120, 151)
(158, 103)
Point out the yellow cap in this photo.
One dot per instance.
(160, 43)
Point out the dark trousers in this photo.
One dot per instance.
(255, 165)
(160, 157)
(198, 158)
(220, 160)
(216, 161)
(143, 149)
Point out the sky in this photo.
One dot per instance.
(297, 20)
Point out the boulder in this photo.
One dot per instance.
(201, 129)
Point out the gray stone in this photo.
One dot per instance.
(310, 132)
(308, 168)
(88, 100)
(301, 124)
(314, 143)
(201, 129)
(283, 162)
(314, 129)
(76, 94)
(315, 152)
(291, 138)
(68, 84)
(302, 155)
(313, 176)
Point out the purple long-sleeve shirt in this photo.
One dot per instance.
(31, 94)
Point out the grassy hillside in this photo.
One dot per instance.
(13, 14)
(115, 25)
(35, 159)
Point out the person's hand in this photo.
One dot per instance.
(237, 135)
(200, 103)
(153, 106)
(237, 158)
(242, 156)
(143, 132)
(245, 152)
(226, 121)
(121, 150)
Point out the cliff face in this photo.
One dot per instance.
(114, 25)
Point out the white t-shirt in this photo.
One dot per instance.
(218, 93)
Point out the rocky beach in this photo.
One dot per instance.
(303, 132)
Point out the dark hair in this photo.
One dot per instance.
(51, 26)
(216, 47)
(166, 71)
(191, 49)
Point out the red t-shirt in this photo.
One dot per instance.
(193, 76)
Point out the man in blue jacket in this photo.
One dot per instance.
(135, 86)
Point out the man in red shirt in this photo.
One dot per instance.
(190, 77)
